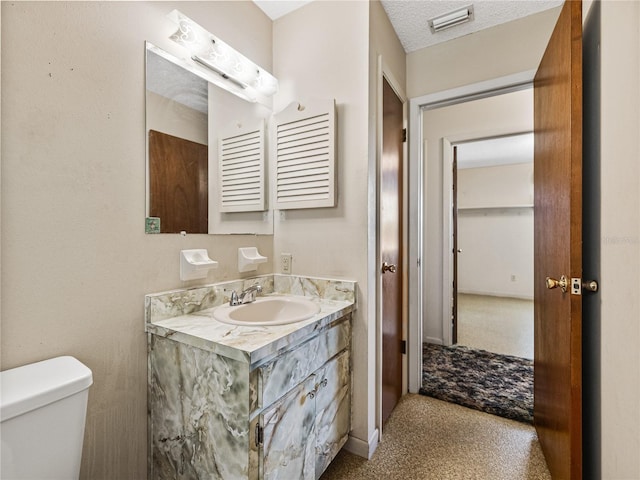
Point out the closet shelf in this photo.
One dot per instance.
(495, 207)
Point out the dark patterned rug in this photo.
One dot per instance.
(498, 384)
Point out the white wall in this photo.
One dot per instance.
(503, 50)
(76, 262)
(497, 252)
(496, 242)
(320, 51)
(174, 118)
(488, 117)
(620, 239)
(496, 186)
(330, 50)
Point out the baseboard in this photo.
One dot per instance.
(437, 341)
(362, 448)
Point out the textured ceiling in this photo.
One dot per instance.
(176, 83)
(409, 17)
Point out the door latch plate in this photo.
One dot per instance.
(576, 286)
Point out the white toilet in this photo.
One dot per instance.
(42, 414)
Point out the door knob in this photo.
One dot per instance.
(386, 267)
(591, 285)
(553, 283)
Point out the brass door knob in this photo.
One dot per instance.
(386, 267)
(553, 283)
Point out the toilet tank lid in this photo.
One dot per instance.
(32, 386)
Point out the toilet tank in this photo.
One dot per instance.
(42, 415)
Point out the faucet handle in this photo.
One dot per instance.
(234, 298)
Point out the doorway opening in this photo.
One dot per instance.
(492, 215)
(485, 240)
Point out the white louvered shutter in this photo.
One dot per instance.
(305, 156)
(241, 169)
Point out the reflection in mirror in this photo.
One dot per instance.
(186, 120)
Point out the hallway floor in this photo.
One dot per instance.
(428, 439)
(496, 324)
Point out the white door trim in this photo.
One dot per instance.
(416, 199)
(447, 240)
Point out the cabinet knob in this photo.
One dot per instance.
(386, 267)
(322, 384)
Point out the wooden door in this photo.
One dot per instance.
(391, 249)
(178, 183)
(558, 246)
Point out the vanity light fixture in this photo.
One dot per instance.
(206, 50)
(451, 19)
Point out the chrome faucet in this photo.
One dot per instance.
(246, 296)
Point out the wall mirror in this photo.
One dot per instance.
(192, 125)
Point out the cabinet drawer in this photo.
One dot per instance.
(291, 368)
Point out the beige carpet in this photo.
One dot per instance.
(496, 324)
(427, 439)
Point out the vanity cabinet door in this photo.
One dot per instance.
(333, 410)
(288, 435)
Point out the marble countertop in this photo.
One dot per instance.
(248, 344)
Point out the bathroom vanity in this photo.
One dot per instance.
(255, 402)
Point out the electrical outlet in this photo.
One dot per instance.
(513, 278)
(285, 261)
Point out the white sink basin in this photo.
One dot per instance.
(268, 311)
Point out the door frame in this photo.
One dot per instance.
(449, 226)
(416, 270)
(384, 72)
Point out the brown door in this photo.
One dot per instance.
(558, 246)
(178, 183)
(390, 249)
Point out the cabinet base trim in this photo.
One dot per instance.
(361, 447)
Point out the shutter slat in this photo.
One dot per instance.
(312, 160)
(304, 173)
(305, 156)
(241, 170)
(300, 120)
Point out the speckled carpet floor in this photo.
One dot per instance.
(492, 383)
(428, 439)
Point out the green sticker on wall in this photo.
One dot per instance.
(152, 225)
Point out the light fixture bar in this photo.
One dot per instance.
(204, 63)
(451, 19)
(207, 50)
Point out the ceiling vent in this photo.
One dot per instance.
(451, 19)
